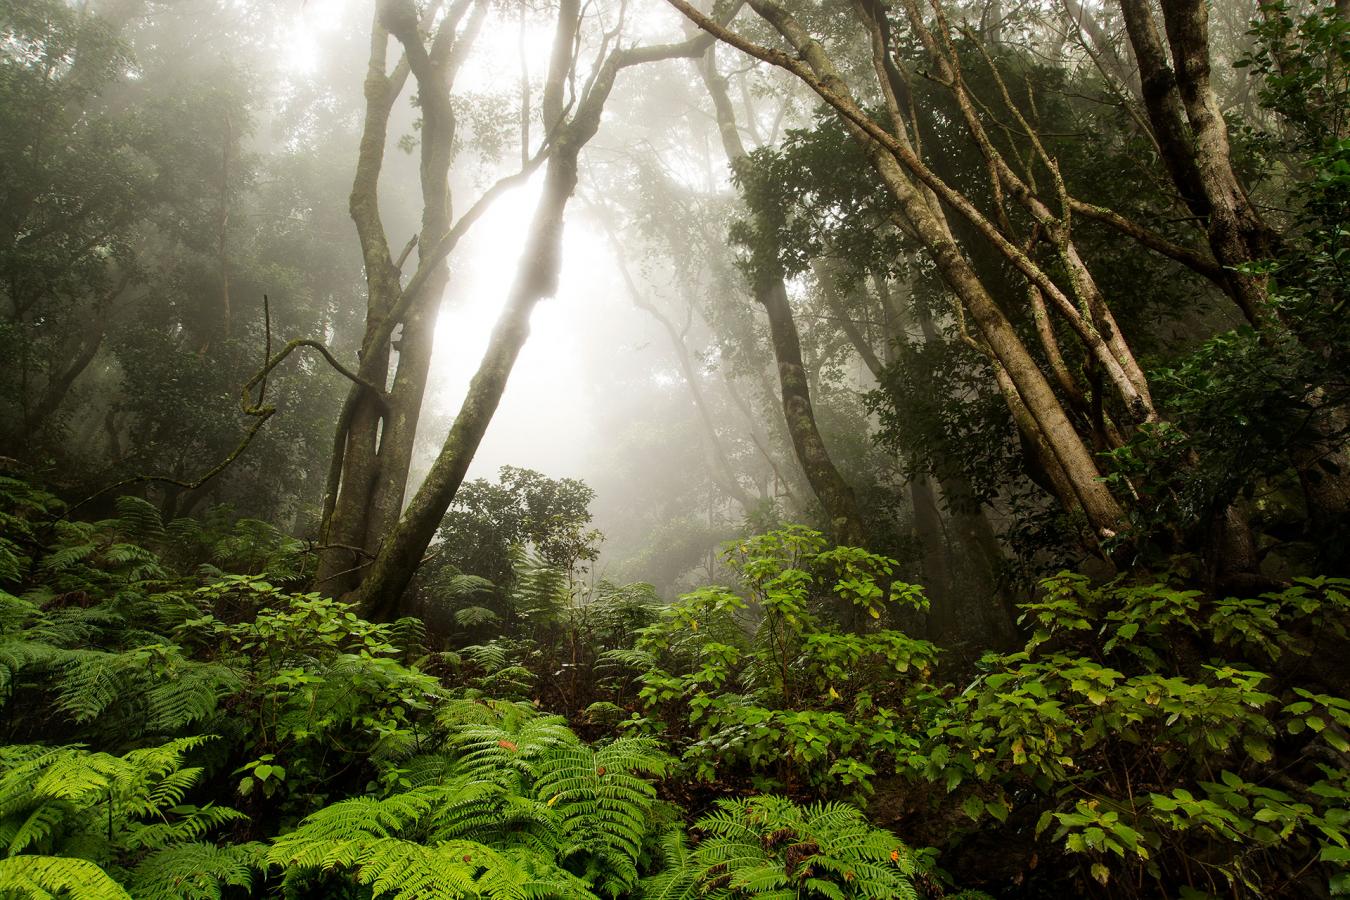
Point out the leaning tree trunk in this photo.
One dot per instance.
(380, 593)
(1080, 485)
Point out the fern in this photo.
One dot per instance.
(70, 801)
(190, 693)
(678, 878)
(91, 680)
(44, 877)
(540, 591)
(138, 519)
(369, 838)
(474, 616)
(196, 871)
(603, 802)
(769, 847)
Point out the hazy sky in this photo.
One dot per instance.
(588, 343)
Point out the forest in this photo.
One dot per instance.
(674, 449)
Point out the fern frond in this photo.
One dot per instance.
(474, 616)
(45, 877)
(92, 680)
(138, 518)
(69, 556)
(334, 835)
(677, 878)
(770, 847)
(190, 694)
(196, 871)
(193, 826)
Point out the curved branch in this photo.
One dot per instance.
(258, 410)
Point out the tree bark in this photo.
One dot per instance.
(834, 493)
(375, 435)
(1193, 138)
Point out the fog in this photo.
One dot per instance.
(711, 354)
(674, 448)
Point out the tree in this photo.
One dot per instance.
(536, 278)
(373, 443)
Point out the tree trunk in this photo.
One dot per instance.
(374, 446)
(380, 593)
(833, 492)
(1196, 150)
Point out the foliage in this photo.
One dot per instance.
(251, 740)
(1154, 734)
(770, 847)
(811, 695)
(523, 509)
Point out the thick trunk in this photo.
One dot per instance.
(1196, 149)
(936, 567)
(1166, 117)
(348, 505)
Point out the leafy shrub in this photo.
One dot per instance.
(1156, 736)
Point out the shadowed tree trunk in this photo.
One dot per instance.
(1195, 148)
(375, 436)
(830, 488)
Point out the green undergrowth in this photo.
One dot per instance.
(181, 717)
(174, 729)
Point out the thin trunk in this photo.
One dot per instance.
(722, 471)
(381, 591)
(223, 223)
(1103, 48)
(833, 492)
(980, 548)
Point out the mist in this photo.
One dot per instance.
(674, 448)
